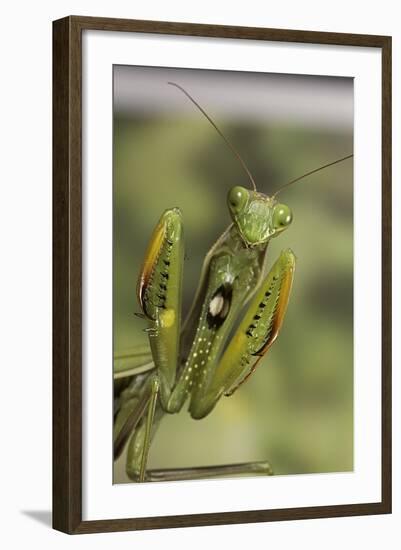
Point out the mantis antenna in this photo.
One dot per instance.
(230, 145)
(311, 172)
(234, 150)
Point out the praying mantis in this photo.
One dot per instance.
(235, 318)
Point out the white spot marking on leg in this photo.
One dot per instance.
(216, 305)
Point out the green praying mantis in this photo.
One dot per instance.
(215, 350)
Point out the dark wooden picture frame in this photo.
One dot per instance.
(67, 274)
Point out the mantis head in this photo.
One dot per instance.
(257, 217)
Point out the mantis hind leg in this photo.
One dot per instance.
(206, 472)
(138, 450)
(131, 405)
(139, 444)
(136, 421)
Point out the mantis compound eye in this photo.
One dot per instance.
(282, 216)
(237, 198)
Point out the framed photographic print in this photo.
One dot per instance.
(222, 270)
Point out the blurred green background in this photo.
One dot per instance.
(297, 409)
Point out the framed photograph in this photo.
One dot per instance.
(222, 274)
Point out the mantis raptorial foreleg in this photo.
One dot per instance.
(254, 336)
(159, 294)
